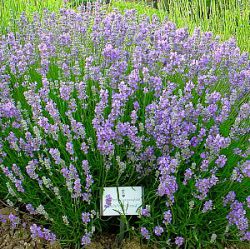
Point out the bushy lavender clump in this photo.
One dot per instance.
(90, 99)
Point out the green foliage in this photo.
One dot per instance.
(225, 18)
(10, 10)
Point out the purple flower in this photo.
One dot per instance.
(42, 233)
(3, 218)
(246, 168)
(14, 220)
(187, 175)
(56, 155)
(8, 110)
(110, 52)
(113, 107)
(86, 218)
(208, 205)
(86, 239)
(237, 216)
(77, 188)
(48, 235)
(248, 201)
(36, 231)
(203, 186)
(229, 198)
(31, 169)
(179, 241)
(221, 161)
(70, 148)
(30, 209)
(246, 236)
(158, 230)
(167, 186)
(145, 233)
(167, 217)
(145, 212)
(19, 186)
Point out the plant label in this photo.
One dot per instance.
(121, 201)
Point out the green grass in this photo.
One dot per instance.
(12, 9)
(225, 18)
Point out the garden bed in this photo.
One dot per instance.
(91, 99)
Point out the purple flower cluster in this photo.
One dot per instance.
(30, 209)
(99, 98)
(145, 233)
(179, 241)
(3, 218)
(208, 205)
(42, 233)
(145, 212)
(86, 239)
(167, 217)
(237, 216)
(14, 220)
(229, 198)
(12, 175)
(85, 218)
(88, 181)
(158, 230)
(203, 186)
(73, 181)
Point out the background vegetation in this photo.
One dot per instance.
(225, 18)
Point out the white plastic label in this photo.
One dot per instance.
(121, 201)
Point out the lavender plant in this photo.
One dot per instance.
(90, 99)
